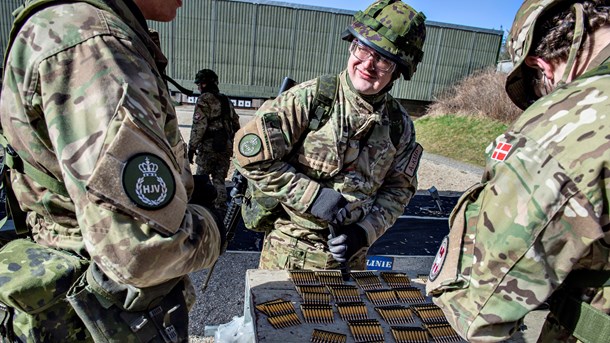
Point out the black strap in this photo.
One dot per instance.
(585, 322)
(6, 323)
(324, 100)
(584, 278)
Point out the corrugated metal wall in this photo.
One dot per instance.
(252, 45)
(6, 8)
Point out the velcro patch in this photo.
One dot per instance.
(250, 145)
(439, 260)
(413, 164)
(501, 151)
(148, 181)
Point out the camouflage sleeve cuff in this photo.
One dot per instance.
(371, 234)
(308, 197)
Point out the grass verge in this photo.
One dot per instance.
(462, 138)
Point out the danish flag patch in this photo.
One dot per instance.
(501, 151)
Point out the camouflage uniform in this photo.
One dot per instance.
(83, 98)
(539, 213)
(207, 119)
(376, 177)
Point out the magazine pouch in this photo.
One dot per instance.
(114, 312)
(34, 280)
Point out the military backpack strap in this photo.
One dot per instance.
(12, 160)
(324, 100)
(326, 93)
(586, 322)
(397, 125)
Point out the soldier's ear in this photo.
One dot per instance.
(548, 68)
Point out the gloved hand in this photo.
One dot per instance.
(349, 240)
(329, 205)
(204, 193)
(191, 155)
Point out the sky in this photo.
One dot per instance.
(487, 14)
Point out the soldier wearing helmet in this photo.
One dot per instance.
(339, 149)
(214, 125)
(535, 231)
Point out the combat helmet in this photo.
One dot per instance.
(519, 44)
(394, 30)
(206, 76)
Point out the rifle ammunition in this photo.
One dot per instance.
(396, 314)
(330, 277)
(395, 279)
(284, 320)
(443, 333)
(367, 280)
(316, 298)
(382, 297)
(317, 313)
(304, 278)
(368, 330)
(411, 295)
(321, 336)
(403, 334)
(430, 314)
(263, 306)
(352, 311)
(345, 293)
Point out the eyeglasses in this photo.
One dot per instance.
(363, 53)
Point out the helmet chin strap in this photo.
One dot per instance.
(579, 31)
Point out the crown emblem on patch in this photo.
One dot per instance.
(148, 168)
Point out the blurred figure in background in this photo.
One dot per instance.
(214, 125)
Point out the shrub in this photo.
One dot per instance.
(480, 94)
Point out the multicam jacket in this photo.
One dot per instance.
(208, 119)
(84, 100)
(352, 153)
(540, 212)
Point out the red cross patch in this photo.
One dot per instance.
(501, 151)
(439, 260)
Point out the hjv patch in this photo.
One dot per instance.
(148, 181)
(250, 145)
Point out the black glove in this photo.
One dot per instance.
(191, 155)
(349, 240)
(329, 205)
(204, 193)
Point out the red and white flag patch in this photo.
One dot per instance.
(501, 151)
(439, 260)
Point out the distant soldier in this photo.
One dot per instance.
(338, 150)
(536, 230)
(214, 125)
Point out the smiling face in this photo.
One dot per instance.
(159, 10)
(366, 78)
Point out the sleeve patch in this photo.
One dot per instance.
(413, 164)
(148, 181)
(250, 145)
